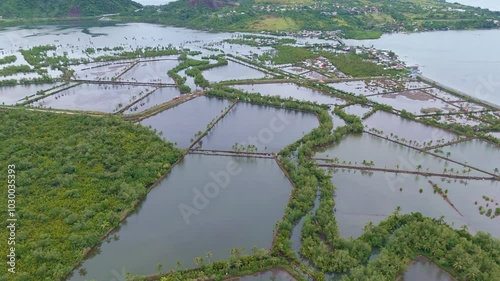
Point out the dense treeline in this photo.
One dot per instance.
(194, 69)
(15, 69)
(76, 176)
(404, 237)
(12, 9)
(26, 81)
(140, 53)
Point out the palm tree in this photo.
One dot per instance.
(198, 261)
(238, 264)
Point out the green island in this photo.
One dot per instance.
(365, 166)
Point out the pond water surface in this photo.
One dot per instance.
(286, 90)
(10, 95)
(423, 269)
(242, 213)
(159, 96)
(232, 71)
(408, 129)
(151, 71)
(353, 149)
(360, 199)
(180, 124)
(95, 97)
(269, 129)
(270, 275)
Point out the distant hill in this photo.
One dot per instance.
(63, 8)
(357, 19)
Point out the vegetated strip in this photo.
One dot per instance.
(229, 154)
(444, 195)
(251, 66)
(458, 113)
(399, 91)
(426, 174)
(39, 93)
(215, 151)
(427, 148)
(125, 83)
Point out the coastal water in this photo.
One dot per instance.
(492, 5)
(464, 60)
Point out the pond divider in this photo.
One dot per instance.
(447, 144)
(445, 196)
(457, 113)
(44, 92)
(211, 125)
(237, 60)
(396, 171)
(51, 94)
(137, 117)
(148, 84)
(132, 65)
(209, 152)
(494, 176)
(136, 101)
(397, 92)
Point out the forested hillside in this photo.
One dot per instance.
(358, 19)
(63, 8)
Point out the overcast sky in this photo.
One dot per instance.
(153, 2)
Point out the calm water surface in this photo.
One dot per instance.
(268, 128)
(287, 90)
(423, 269)
(180, 124)
(360, 199)
(271, 275)
(242, 213)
